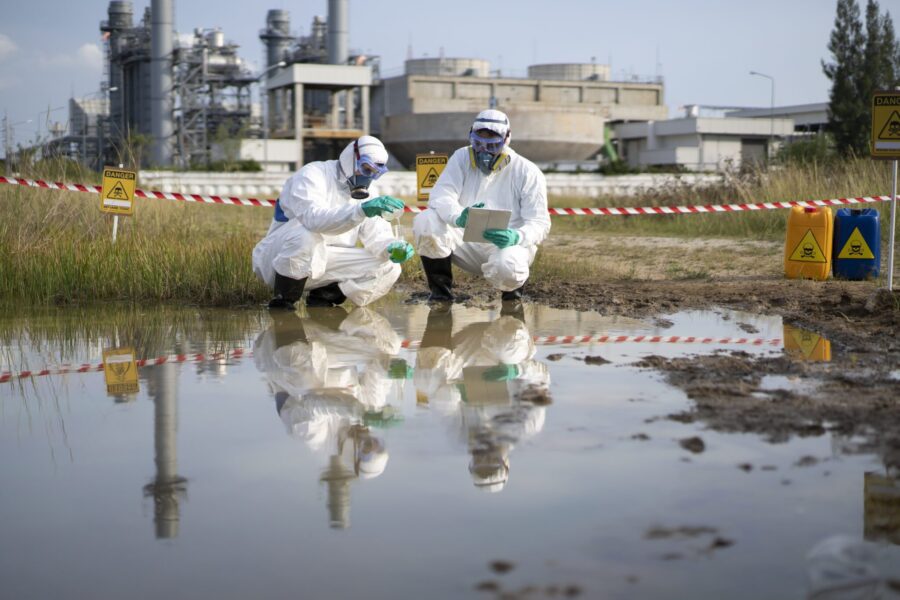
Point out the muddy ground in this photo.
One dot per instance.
(856, 393)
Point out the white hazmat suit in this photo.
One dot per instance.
(514, 184)
(319, 238)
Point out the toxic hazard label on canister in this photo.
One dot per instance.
(808, 249)
(856, 247)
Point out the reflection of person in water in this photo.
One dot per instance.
(486, 374)
(332, 375)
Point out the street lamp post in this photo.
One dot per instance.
(771, 110)
(265, 140)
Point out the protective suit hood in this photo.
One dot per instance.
(365, 146)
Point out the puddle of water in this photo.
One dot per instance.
(401, 452)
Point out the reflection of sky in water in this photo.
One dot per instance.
(336, 462)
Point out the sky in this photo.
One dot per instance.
(51, 50)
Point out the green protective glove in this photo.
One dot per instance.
(400, 251)
(501, 373)
(502, 238)
(462, 219)
(399, 369)
(380, 205)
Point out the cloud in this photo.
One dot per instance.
(8, 82)
(7, 47)
(88, 56)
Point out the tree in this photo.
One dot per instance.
(863, 62)
(846, 113)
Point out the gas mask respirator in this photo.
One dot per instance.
(367, 171)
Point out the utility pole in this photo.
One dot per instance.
(771, 111)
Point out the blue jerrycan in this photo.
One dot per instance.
(857, 244)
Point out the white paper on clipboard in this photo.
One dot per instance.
(484, 218)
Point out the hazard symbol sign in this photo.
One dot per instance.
(856, 247)
(428, 168)
(120, 371)
(808, 249)
(117, 195)
(886, 125)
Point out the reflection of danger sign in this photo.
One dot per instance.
(856, 247)
(120, 371)
(808, 249)
(117, 195)
(428, 169)
(806, 345)
(886, 125)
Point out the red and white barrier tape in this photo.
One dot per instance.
(638, 210)
(546, 340)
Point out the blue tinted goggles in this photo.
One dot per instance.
(369, 168)
(493, 144)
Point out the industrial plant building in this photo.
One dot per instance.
(185, 101)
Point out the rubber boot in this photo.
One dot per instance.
(287, 292)
(513, 295)
(329, 295)
(439, 274)
(511, 304)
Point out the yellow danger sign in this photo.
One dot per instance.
(428, 169)
(808, 249)
(886, 125)
(117, 195)
(120, 371)
(856, 246)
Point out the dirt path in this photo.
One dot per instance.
(856, 393)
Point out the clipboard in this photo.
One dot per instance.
(484, 218)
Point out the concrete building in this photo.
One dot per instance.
(701, 143)
(431, 107)
(808, 118)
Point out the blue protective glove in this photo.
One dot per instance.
(502, 238)
(501, 373)
(400, 251)
(382, 204)
(463, 218)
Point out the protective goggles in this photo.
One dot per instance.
(493, 144)
(366, 166)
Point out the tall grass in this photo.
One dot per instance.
(55, 247)
(813, 181)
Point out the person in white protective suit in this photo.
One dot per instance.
(486, 173)
(321, 214)
(332, 376)
(485, 374)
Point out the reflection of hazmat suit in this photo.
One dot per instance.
(315, 234)
(486, 374)
(331, 374)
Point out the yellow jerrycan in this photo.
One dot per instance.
(807, 247)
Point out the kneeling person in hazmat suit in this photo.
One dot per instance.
(323, 211)
(489, 174)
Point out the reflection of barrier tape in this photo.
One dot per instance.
(637, 210)
(546, 340)
(144, 362)
(550, 340)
